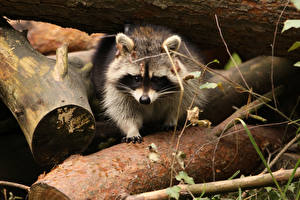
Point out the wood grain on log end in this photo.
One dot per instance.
(43, 191)
(63, 131)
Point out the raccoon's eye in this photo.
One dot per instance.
(137, 78)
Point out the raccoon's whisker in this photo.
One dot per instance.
(123, 86)
(168, 89)
(126, 88)
(146, 57)
(168, 92)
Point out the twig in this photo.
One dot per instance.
(16, 185)
(231, 133)
(221, 186)
(282, 151)
(179, 103)
(272, 61)
(227, 49)
(243, 111)
(147, 57)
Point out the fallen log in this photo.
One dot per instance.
(49, 99)
(257, 74)
(125, 169)
(248, 26)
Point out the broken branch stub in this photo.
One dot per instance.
(48, 99)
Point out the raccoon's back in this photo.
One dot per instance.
(103, 56)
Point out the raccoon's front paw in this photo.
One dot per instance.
(133, 139)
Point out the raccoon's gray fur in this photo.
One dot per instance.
(136, 83)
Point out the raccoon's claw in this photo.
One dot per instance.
(133, 139)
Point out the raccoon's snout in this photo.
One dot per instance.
(145, 99)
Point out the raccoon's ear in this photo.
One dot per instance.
(173, 42)
(124, 43)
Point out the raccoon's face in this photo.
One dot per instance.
(143, 75)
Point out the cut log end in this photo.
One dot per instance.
(70, 130)
(44, 191)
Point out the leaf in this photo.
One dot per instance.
(297, 64)
(230, 63)
(152, 148)
(173, 192)
(234, 175)
(294, 46)
(214, 61)
(180, 156)
(296, 3)
(193, 115)
(192, 75)
(208, 85)
(268, 189)
(216, 197)
(153, 157)
(182, 175)
(290, 23)
(291, 188)
(204, 123)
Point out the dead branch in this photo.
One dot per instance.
(282, 151)
(244, 111)
(256, 73)
(221, 186)
(17, 185)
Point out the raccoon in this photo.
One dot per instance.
(135, 81)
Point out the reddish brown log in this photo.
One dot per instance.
(126, 169)
(46, 38)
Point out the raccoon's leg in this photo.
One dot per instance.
(170, 117)
(131, 130)
(128, 122)
(171, 114)
(170, 122)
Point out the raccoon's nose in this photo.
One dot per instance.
(145, 99)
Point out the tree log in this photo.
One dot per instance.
(257, 74)
(48, 99)
(126, 169)
(248, 26)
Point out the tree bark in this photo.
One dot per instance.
(257, 74)
(248, 26)
(48, 99)
(126, 169)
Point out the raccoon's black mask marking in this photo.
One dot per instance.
(156, 83)
(163, 84)
(129, 81)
